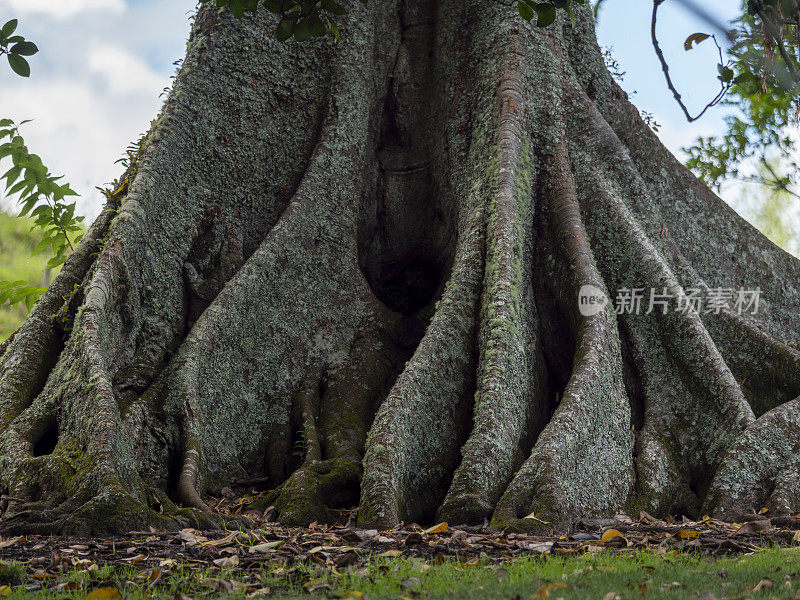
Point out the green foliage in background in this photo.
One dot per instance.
(764, 94)
(17, 242)
(43, 197)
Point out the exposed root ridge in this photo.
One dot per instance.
(560, 481)
(509, 397)
(404, 468)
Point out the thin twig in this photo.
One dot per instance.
(724, 87)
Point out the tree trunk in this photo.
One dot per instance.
(354, 269)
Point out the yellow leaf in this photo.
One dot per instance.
(541, 593)
(763, 510)
(440, 528)
(106, 593)
(391, 553)
(222, 541)
(705, 518)
(5, 590)
(313, 582)
(610, 534)
(685, 534)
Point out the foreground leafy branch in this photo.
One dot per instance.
(16, 48)
(43, 198)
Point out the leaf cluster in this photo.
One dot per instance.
(299, 19)
(16, 48)
(45, 199)
(545, 12)
(764, 87)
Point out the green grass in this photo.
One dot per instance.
(605, 575)
(17, 242)
(12, 573)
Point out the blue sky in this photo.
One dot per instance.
(103, 63)
(624, 27)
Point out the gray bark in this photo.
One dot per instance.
(353, 269)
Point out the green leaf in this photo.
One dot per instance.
(6, 122)
(694, 39)
(302, 30)
(24, 48)
(55, 262)
(19, 65)
(236, 8)
(545, 14)
(333, 7)
(284, 30)
(272, 6)
(525, 10)
(332, 27)
(8, 28)
(318, 28)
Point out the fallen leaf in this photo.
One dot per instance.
(542, 592)
(266, 546)
(39, 574)
(540, 547)
(11, 541)
(611, 596)
(222, 541)
(153, 577)
(685, 534)
(5, 590)
(763, 510)
(191, 535)
(754, 526)
(227, 562)
(391, 553)
(440, 528)
(315, 585)
(105, 593)
(763, 584)
(613, 537)
(610, 534)
(135, 559)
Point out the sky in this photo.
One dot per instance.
(103, 65)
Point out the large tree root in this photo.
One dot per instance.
(353, 270)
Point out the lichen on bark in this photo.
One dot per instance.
(352, 269)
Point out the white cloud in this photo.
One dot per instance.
(78, 131)
(63, 8)
(95, 83)
(124, 72)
